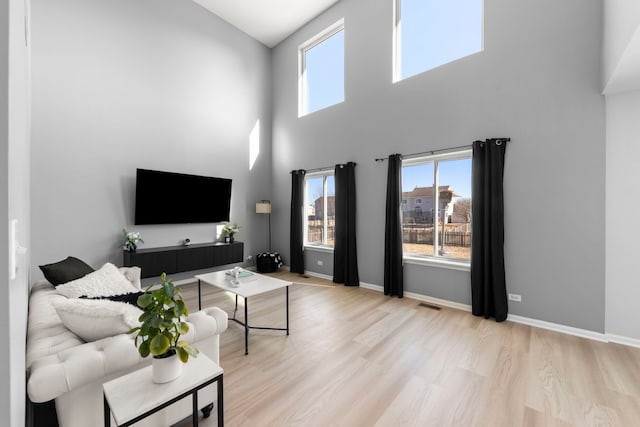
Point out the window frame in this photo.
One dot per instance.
(324, 247)
(314, 41)
(434, 260)
(397, 40)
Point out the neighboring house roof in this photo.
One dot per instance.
(426, 192)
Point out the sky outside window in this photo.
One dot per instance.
(417, 176)
(435, 32)
(315, 186)
(457, 174)
(324, 71)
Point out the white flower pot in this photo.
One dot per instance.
(166, 369)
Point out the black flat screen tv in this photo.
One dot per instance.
(176, 198)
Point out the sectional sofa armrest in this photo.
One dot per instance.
(59, 373)
(205, 323)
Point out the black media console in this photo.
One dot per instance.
(176, 259)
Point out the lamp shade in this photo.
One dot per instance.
(263, 207)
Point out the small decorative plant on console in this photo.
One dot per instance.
(131, 240)
(229, 230)
(161, 328)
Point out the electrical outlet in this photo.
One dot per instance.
(320, 262)
(515, 297)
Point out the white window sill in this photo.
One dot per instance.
(437, 262)
(319, 248)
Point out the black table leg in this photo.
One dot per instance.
(220, 403)
(107, 413)
(199, 296)
(246, 328)
(287, 289)
(235, 310)
(194, 415)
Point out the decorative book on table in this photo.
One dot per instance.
(241, 274)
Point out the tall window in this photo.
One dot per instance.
(319, 215)
(321, 79)
(440, 225)
(430, 33)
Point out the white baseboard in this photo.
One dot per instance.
(318, 275)
(556, 327)
(618, 339)
(564, 329)
(423, 298)
(372, 287)
(438, 301)
(513, 318)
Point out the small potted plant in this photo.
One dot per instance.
(161, 328)
(131, 240)
(229, 230)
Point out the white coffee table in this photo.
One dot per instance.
(256, 284)
(134, 396)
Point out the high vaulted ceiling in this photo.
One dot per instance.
(268, 21)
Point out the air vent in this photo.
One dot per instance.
(432, 307)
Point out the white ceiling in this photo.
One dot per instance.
(268, 21)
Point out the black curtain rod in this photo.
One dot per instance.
(432, 152)
(326, 168)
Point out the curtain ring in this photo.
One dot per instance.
(499, 142)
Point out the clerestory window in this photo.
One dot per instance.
(430, 33)
(321, 76)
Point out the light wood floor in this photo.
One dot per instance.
(358, 358)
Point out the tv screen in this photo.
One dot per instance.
(176, 198)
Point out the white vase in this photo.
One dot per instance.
(166, 369)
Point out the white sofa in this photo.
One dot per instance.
(61, 366)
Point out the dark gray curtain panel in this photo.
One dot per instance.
(345, 254)
(296, 264)
(393, 274)
(488, 287)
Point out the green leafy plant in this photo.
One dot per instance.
(230, 229)
(161, 323)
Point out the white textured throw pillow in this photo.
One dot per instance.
(107, 281)
(93, 320)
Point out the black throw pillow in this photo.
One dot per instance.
(65, 271)
(130, 298)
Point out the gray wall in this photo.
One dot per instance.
(537, 81)
(14, 204)
(120, 85)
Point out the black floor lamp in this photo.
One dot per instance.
(264, 207)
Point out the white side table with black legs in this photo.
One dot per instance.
(134, 396)
(252, 285)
